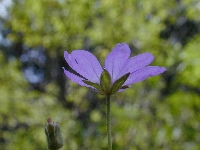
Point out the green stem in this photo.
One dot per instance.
(108, 122)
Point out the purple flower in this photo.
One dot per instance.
(120, 71)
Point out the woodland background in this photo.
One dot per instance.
(162, 112)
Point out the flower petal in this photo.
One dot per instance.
(75, 78)
(84, 63)
(136, 63)
(116, 60)
(143, 73)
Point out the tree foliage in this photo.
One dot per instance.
(159, 113)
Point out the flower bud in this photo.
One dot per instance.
(53, 134)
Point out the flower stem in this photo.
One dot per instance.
(108, 122)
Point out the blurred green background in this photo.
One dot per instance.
(161, 113)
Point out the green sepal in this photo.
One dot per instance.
(118, 84)
(58, 136)
(125, 87)
(47, 135)
(105, 82)
(95, 85)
